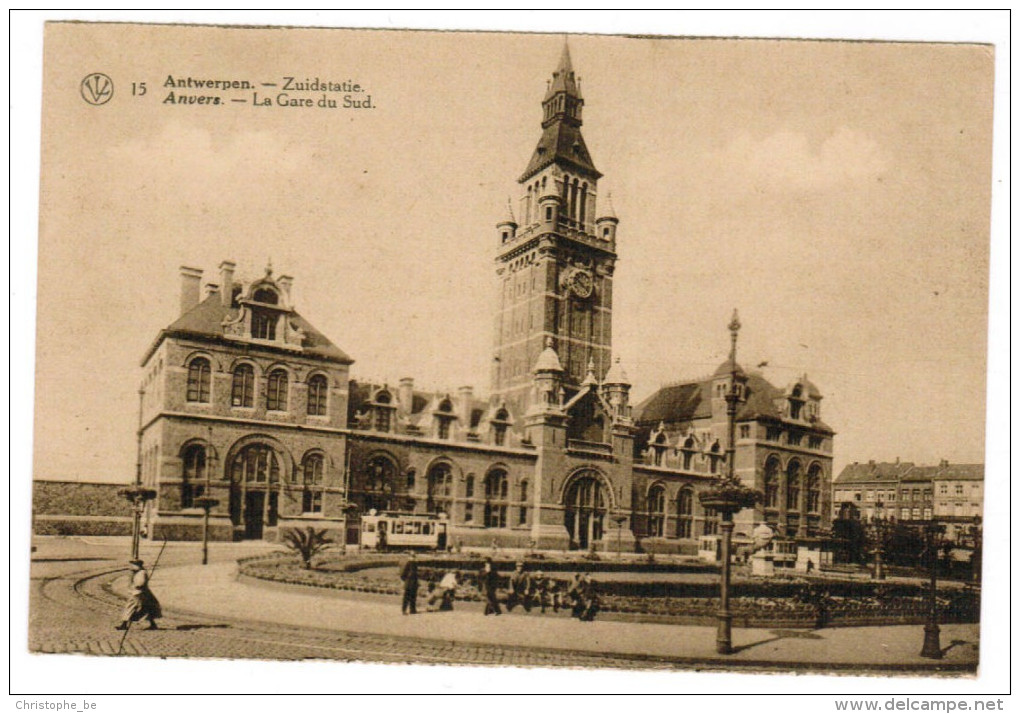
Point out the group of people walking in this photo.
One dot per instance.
(524, 589)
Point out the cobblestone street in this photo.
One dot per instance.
(77, 594)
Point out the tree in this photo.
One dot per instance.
(307, 543)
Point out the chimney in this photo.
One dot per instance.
(405, 394)
(897, 460)
(211, 289)
(464, 398)
(227, 282)
(191, 286)
(944, 463)
(285, 282)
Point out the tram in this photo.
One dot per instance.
(381, 531)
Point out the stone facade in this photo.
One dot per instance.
(244, 401)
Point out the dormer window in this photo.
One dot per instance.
(383, 411)
(266, 296)
(263, 324)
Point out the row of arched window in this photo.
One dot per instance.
(242, 389)
(796, 484)
(574, 195)
(657, 513)
(256, 466)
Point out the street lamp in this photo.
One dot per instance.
(728, 496)
(878, 529)
(205, 501)
(136, 494)
(619, 520)
(932, 649)
(975, 557)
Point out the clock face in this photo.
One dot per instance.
(581, 283)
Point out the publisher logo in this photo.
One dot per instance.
(97, 88)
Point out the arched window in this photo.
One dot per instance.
(522, 512)
(582, 213)
(496, 496)
(440, 489)
(318, 388)
(444, 418)
(267, 296)
(198, 380)
(276, 391)
(383, 412)
(656, 511)
(192, 475)
(793, 486)
(255, 464)
(242, 392)
(714, 458)
(685, 513)
(814, 489)
(772, 483)
(688, 453)
(312, 471)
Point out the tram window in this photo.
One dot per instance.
(426, 529)
(398, 527)
(370, 527)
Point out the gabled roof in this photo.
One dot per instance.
(205, 321)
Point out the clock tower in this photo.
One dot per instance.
(554, 267)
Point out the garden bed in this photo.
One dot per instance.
(754, 602)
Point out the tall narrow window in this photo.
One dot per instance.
(772, 483)
(793, 486)
(685, 513)
(496, 494)
(198, 380)
(711, 525)
(469, 493)
(242, 393)
(522, 513)
(656, 511)
(312, 472)
(276, 391)
(814, 489)
(317, 390)
(440, 489)
(193, 475)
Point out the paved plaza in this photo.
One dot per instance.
(79, 585)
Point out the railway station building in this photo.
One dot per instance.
(245, 401)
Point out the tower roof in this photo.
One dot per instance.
(616, 374)
(548, 360)
(561, 141)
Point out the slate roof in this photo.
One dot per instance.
(561, 143)
(681, 403)
(205, 321)
(423, 402)
(908, 471)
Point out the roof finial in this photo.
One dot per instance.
(269, 266)
(510, 210)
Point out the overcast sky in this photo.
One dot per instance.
(837, 193)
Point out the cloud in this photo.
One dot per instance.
(787, 161)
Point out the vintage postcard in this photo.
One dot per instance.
(512, 350)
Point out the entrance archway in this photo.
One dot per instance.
(254, 490)
(585, 505)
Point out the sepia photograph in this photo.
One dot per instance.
(441, 353)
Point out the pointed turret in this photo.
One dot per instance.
(561, 141)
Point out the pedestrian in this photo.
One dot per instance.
(409, 574)
(488, 585)
(143, 605)
(590, 599)
(547, 592)
(520, 589)
(575, 595)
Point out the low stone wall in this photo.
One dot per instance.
(79, 508)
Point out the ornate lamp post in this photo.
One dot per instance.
(975, 558)
(205, 501)
(136, 494)
(728, 496)
(932, 649)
